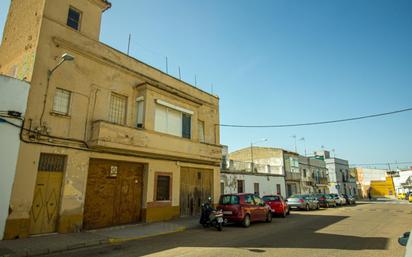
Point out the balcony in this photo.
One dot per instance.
(321, 181)
(296, 176)
(145, 143)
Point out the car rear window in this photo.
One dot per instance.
(271, 198)
(229, 199)
(296, 196)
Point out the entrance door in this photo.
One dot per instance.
(46, 201)
(195, 187)
(113, 194)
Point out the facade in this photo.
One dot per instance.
(364, 176)
(13, 97)
(382, 188)
(272, 161)
(340, 179)
(237, 177)
(108, 140)
(403, 182)
(314, 175)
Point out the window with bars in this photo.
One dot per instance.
(61, 103)
(240, 186)
(256, 188)
(73, 18)
(117, 109)
(163, 188)
(52, 162)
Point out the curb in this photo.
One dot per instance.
(44, 251)
(122, 240)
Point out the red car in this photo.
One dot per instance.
(244, 208)
(277, 205)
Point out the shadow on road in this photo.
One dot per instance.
(296, 231)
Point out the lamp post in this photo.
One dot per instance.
(251, 150)
(63, 58)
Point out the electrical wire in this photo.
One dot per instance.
(317, 122)
(380, 164)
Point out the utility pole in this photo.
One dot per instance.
(167, 66)
(128, 45)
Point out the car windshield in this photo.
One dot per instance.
(229, 199)
(271, 198)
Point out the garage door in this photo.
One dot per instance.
(113, 194)
(196, 185)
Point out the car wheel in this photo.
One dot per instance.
(307, 208)
(269, 217)
(246, 221)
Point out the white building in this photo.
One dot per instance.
(257, 183)
(401, 183)
(13, 97)
(340, 179)
(364, 178)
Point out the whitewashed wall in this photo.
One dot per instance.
(13, 96)
(267, 183)
(403, 176)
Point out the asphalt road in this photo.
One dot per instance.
(361, 230)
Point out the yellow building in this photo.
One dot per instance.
(107, 139)
(382, 188)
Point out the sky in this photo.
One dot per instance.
(284, 61)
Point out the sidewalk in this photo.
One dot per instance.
(52, 243)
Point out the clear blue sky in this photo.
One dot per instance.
(285, 61)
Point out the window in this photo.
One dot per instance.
(186, 125)
(249, 199)
(304, 173)
(278, 191)
(163, 188)
(117, 111)
(73, 18)
(172, 121)
(256, 188)
(201, 127)
(139, 112)
(229, 199)
(240, 186)
(61, 101)
(52, 162)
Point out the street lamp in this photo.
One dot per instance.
(63, 58)
(251, 150)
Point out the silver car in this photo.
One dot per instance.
(340, 200)
(303, 202)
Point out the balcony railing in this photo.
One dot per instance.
(293, 176)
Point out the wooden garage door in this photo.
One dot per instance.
(113, 194)
(196, 185)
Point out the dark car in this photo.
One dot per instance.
(277, 205)
(349, 199)
(244, 208)
(326, 200)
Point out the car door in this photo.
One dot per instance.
(260, 207)
(250, 207)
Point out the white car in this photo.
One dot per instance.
(340, 200)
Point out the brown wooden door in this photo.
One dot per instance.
(195, 187)
(112, 199)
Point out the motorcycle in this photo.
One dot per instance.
(211, 217)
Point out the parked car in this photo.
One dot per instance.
(349, 199)
(340, 200)
(244, 208)
(401, 196)
(277, 204)
(303, 202)
(326, 200)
